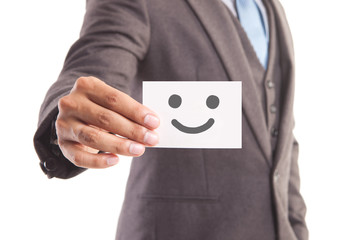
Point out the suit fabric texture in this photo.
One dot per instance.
(192, 194)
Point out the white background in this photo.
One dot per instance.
(35, 37)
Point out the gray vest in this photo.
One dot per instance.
(268, 82)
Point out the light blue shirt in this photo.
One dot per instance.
(231, 5)
(250, 21)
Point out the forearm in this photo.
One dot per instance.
(110, 45)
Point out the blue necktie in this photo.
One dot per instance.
(251, 19)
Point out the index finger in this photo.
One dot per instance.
(121, 103)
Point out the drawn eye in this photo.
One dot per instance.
(212, 101)
(174, 101)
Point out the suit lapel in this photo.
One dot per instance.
(287, 66)
(218, 24)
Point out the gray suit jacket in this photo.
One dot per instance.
(187, 193)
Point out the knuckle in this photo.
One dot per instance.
(132, 133)
(88, 137)
(138, 111)
(60, 124)
(78, 159)
(94, 79)
(137, 132)
(84, 83)
(61, 145)
(112, 99)
(104, 119)
(66, 103)
(97, 162)
(120, 148)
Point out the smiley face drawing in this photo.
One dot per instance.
(196, 114)
(175, 101)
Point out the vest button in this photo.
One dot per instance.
(274, 132)
(273, 109)
(270, 84)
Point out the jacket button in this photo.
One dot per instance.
(274, 132)
(270, 84)
(273, 109)
(276, 175)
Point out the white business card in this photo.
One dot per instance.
(196, 114)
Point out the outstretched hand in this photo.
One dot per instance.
(88, 116)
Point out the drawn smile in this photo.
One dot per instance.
(193, 130)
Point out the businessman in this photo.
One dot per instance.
(181, 194)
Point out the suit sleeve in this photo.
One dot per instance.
(114, 37)
(297, 208)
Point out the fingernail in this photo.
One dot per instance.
(151, 121)
(112, 161)
(151, 138)
(136, 149)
